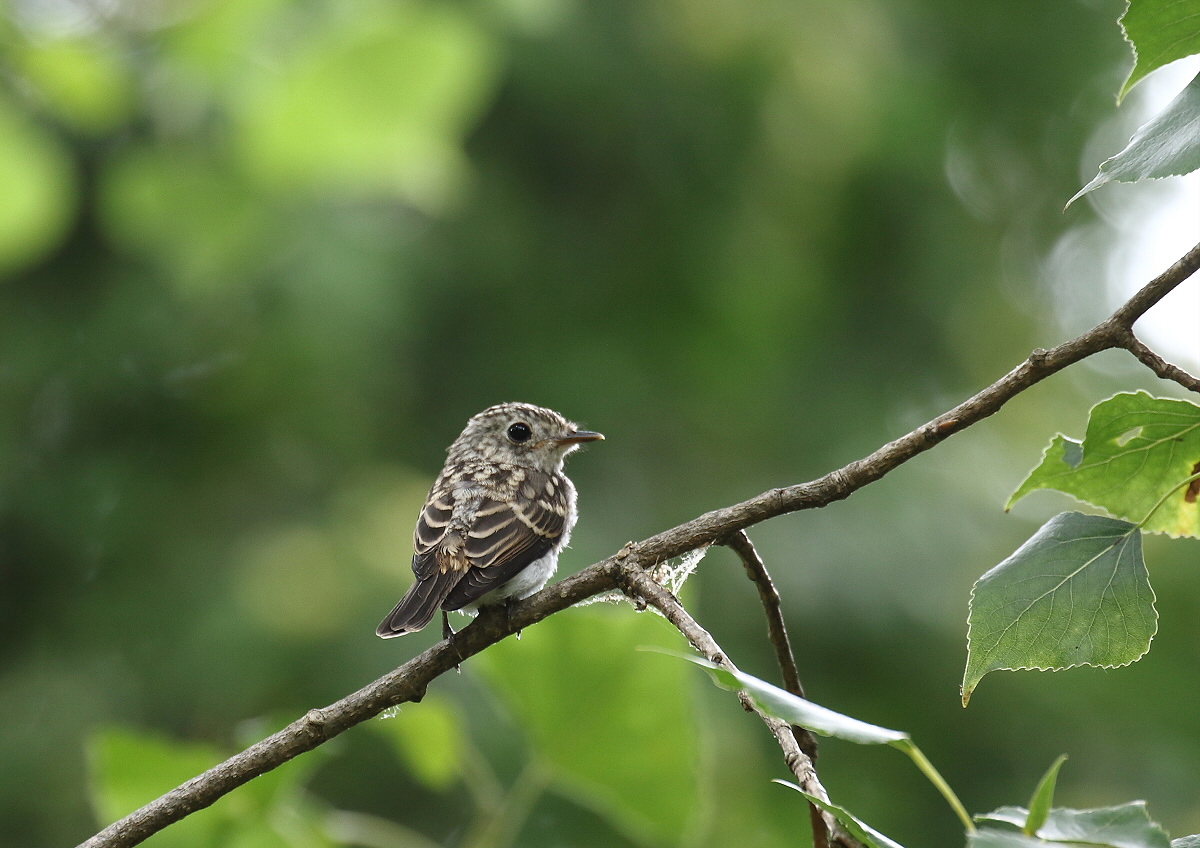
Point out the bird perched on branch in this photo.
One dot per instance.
(497, 517)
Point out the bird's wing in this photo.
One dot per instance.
(438, 562)
(506, 537)
(429, 536)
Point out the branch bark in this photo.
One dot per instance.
(1157, 364)
(777, 635)
(638, 585)
(409, 681)
(756, 570)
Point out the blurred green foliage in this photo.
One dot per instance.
(261, 259)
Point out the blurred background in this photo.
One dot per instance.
(261, 259)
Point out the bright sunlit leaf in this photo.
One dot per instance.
(84, 83)
(130, 769)
(1168, 145)
(1077, 593)
(1138, 453)
(796, 710)
(374, 107)
(37, 189)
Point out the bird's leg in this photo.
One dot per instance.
(448, 635)
(508, 605)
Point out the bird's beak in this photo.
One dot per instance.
(580, 436)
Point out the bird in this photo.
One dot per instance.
(496, 518)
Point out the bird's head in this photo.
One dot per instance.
(520, 434)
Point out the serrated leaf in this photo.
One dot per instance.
(1138, 450)
(1168, 145)
(1159, 31)
(1043, 798)
(429, 737)
(861, 831)
(1076, 593)
(1123, 826)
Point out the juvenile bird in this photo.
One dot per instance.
(496, 518)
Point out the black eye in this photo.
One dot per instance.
(519, 432)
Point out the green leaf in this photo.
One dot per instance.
(377, 104)
(796, 710)
(987, 837)
(1159, 31)
(1043, 798)
(614, 723)
(861, 831)
(1168, 145)
(1016, 816)
(429, 737)
(37, 190)
(1076, 593)
(1137, 451)
(180, 207)
(1124, 826)
(130, 769)
(83, 82)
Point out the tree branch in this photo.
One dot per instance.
(756, 570)
(409, 681)
(406, 683)
(1157, 364)
(637, 584)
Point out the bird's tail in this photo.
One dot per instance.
(416, 609)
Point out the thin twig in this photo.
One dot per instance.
(756, 570)
(1157, 364)
(637, 584)
(409, 681)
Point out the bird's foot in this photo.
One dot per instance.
(448, 635)
(508, 605)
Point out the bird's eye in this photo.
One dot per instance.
(519, 432)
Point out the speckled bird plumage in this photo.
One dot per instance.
(497, 516)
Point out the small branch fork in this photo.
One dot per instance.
(409, 681)
(1156, 363)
